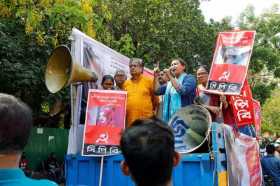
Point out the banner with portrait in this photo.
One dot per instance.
(230, 62)
(105, 120)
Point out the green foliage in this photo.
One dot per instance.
(28, 33)
(271, 113)
(125, 45)
(263, 91)
(21, 61)
(265, 61)
(162, 30)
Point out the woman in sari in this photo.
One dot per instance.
(179, 91)
(209, 101)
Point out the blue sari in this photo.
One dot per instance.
(172, 99)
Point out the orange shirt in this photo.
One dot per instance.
(141, 102)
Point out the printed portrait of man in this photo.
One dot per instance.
(233, 55)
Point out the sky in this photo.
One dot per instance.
(217, 9)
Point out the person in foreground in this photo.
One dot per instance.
(149, 155)
(15, 127)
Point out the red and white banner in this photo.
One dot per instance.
(257, 118)
(242, 106)
(230, 62)
(105, 119)
(243, 159)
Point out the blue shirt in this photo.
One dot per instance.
(271, 167)
(16, 177)
(187, 90)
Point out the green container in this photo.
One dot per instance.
(42, 142)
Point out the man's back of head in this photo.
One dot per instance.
(270, 149)
(15, 128)
(15, 124)
(148, 150)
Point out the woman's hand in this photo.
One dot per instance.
(214, 110)
(156, 71)
(167, 72)
(223, 100)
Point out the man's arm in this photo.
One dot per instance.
(157, 88)
(156, 81)
(155, 99)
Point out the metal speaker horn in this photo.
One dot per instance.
(61, 71)
(191, 126)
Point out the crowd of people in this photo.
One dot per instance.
(161, 96)
(169, 90)
(148, 142)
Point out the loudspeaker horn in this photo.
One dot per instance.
(191, 126)
(61, 70)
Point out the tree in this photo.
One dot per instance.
(265, 62)
(29, 30)
(271, 113)
(20, 72)
(161, 30)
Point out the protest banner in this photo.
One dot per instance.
(243, 159)
(230, 62)
(105, 119)
(104, 60)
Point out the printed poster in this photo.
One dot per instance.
(230, 62)
(243, 159)
(105, 120)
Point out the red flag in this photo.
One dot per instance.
(242, 106)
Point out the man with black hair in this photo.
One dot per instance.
(271, 165)
(149, 155)
(15, 127)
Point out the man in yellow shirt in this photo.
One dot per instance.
(141, 102)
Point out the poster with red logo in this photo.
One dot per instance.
(105, 120)
(230, 62)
